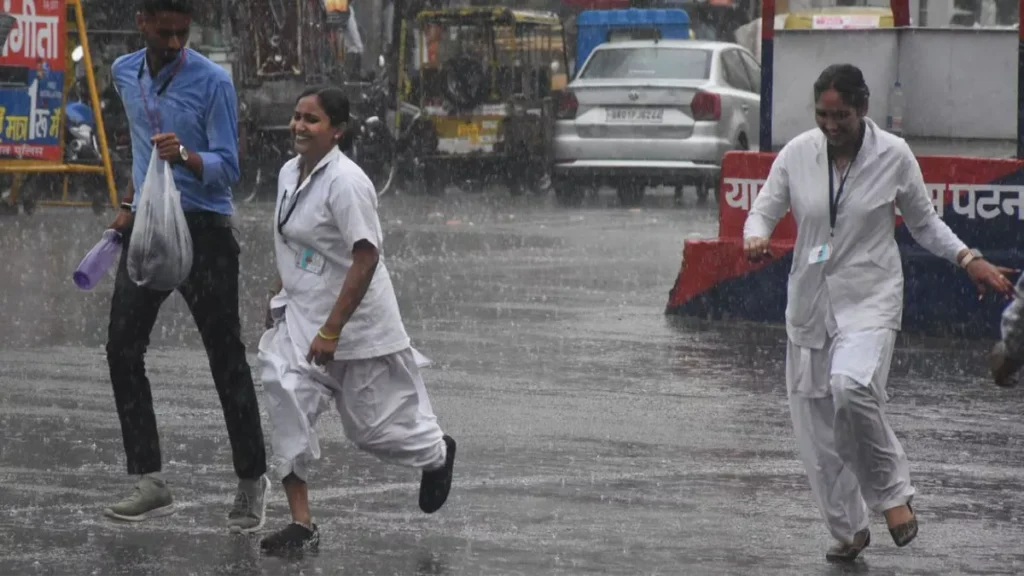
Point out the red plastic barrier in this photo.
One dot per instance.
(706, 263)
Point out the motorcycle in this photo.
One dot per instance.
(119, 137)
(81, 146)
(372, 145)
(407, 169)
(388, 160)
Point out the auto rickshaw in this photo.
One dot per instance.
(482, 82)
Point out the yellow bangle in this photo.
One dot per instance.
(326, 336)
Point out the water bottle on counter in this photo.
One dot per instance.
(897, 104)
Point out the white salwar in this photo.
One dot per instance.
(853, 460)
(374, 381)
(382, 402)
(843, 314)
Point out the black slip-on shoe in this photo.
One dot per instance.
(436, 484)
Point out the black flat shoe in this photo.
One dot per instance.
(843, 552)
(436, 484)
(291, 538)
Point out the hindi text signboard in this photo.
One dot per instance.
(30, 109)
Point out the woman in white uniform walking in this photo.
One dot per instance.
(336, 334)
(845, 301)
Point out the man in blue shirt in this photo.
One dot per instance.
(184, 105)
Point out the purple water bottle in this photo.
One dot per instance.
(98, 260)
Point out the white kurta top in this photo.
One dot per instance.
(335, 207)
(860, 286)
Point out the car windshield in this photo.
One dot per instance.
(654, 63)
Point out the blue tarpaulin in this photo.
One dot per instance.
(594, 26)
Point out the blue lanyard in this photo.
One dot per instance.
(157, 126)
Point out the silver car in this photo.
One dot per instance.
(655, 112)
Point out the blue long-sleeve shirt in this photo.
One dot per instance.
(199, 105)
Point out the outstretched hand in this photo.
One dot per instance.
(987, 276)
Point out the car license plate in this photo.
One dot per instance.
(641, 115)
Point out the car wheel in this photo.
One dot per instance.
(742, 144)
(517, 186)
(543, 184)
(27, 192)
(423, 180)
(703, 191)
(569, 194)
(631, 194)
(533, 179)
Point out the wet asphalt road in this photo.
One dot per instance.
(596, 435)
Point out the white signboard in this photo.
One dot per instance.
(845, 21)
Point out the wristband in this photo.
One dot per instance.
(971, 255)
(126, 206)
(326, 336)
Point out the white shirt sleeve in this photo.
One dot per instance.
(353, 41)
(915, 204)
(351, 202)
(772, 202)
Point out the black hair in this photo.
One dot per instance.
(848, 81)
(152, 7)
(335, 104)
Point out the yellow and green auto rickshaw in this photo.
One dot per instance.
(482, 82)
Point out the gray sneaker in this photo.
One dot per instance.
(250, 509)
(149, 499)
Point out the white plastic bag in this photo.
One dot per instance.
(160, 250)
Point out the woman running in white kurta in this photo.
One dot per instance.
(336, 332)
(845, 301)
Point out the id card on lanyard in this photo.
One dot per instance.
(153, 114)
(307, 259)
(823, 252)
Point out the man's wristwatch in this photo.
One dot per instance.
(183, 153)
(972, 254)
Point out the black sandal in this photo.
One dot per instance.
(905, 533)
